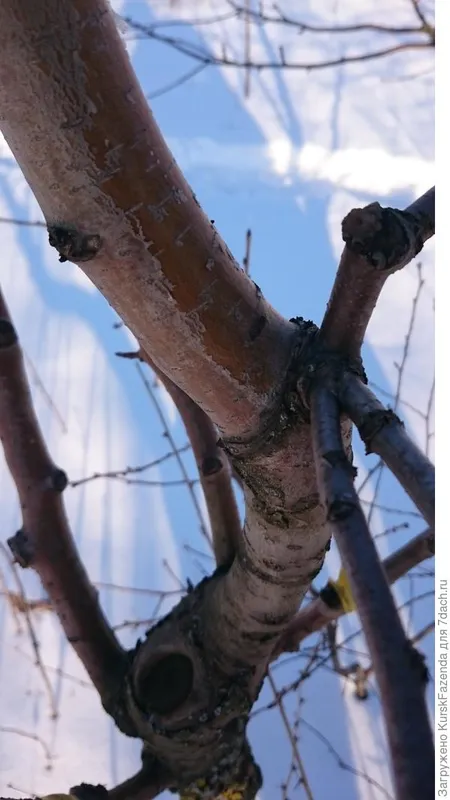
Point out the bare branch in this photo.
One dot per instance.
(292, 739)
(45, 541)
(213, 467)
(23, 606)
(185, 476)
(123, 473)
(383, 433)
(325, 608)
(280, 18)
(379, 241)
(148, 226)
(399, 680)
(209, 58)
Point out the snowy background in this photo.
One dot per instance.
(287, 161)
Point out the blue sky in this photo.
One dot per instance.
(288, 162)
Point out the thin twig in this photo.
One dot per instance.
(208, 58)
(282, 19)
(292, 739)
(130, 470)
(25, 610)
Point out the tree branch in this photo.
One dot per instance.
(383, 433)
(208, 58)
(45, 541)
(133, 222)
(280, 18)
(395, 665)
(379, 241)
(213, 467)
(320, 611)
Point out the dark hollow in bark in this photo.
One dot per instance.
(166, 684)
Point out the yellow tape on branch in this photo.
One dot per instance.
(342, 588)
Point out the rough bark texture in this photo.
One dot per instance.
(117, 205)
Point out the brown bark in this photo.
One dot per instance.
(383, 433)
(117, 204)
(99, 167)
(379, 241)
(397, 669)
(95, 159)
(213, 468)
(45, 541)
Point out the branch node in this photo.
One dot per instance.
(72, 244)
(338, 458)
(374, 422)
(340, 509)
(330, 597)
(21, 548)
(57, 480)
(85, 791)
(419, 664)
(8, 335)
(210, 466)
(386, 237)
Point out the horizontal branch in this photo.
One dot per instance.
(280, 18)
(383, 433)
(45, 541)
(379, 241)
(318, 613)
(205, 56)
(396, 669)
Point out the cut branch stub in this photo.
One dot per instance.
(388, 238)
(379, 241)
(72, 244)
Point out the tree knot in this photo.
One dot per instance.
(314, 362)
(72, 244)
(386, 237)
(373, 423)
